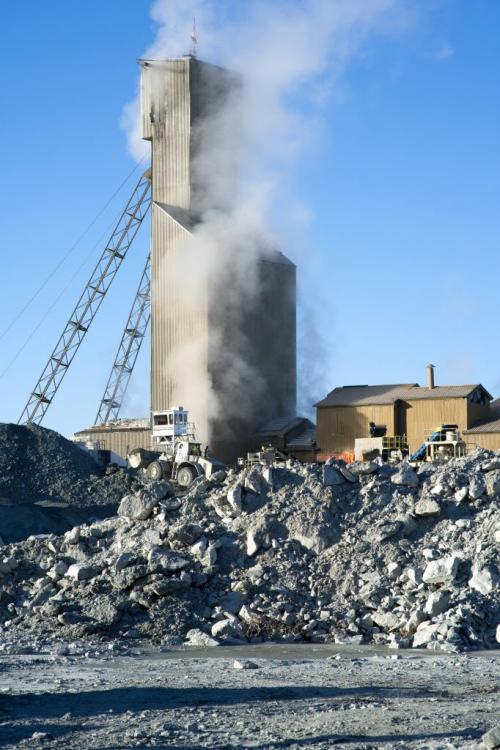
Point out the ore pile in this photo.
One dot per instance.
(362, 554)
(38, 465)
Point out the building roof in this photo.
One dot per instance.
(358, 395)
(282, 426)
(368, 395)
(490, 424)
(182, 217)
(442, 391)
(273, 255)
(279, 426)
(115, 425)
(305, 440)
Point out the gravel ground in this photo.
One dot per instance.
(298, 697)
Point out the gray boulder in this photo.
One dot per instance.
(197, 637)
(386, 620)
(159, 490)
(72, 536)
(81, 572)
(186, 533)
(491, 739)
(244, 664)
(482, 580)
(427, 507)
(437, 603)
(461, 494)
(426, 634)
(491, 464)
(331, 476)
(493, 483)
(443, 570)
(137, 507)
(477, 487)
(348, 474)
(121, 562)
(405, 477)
(363, 468)
(261, 534)
(255, 482)
(228, 628)
(160, 558)
(218, 476)
(234, 497)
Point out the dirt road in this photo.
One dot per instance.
(297, 697)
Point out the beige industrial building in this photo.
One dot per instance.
(119, 437)
(406, 409)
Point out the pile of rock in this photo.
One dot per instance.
(368, 553)
(49, 484)
(38, 465)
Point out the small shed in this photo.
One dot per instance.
(295, 436)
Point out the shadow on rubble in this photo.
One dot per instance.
(40, 706)
(11, 733)
(358, 740)
(370, 739)
(18, 521)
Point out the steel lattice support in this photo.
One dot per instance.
(129, 348)
(89, 302)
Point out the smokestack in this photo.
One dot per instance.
(430, 377)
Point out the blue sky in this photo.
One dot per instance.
(398, 246)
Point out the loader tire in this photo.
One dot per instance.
(155, 471)
(185, 476)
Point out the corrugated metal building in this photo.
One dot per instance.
(405, 409)
(180, 101)
(120, 436)
(486, 432)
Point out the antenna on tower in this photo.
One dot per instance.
(194, 39)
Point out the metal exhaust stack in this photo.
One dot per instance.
(430, 377)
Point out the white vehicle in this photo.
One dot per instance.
(176, 453)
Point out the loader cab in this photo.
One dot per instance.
(168, 425)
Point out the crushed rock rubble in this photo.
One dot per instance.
(371, 553)
(39, 465)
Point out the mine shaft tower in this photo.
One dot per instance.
(183, 103)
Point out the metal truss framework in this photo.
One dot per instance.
(87, 306)
(129, 348)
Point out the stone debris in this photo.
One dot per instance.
(441, 571)
(427, 507)
(372, 553)
(245, 664)
(405, 476)
(491, 739)
(482, 580)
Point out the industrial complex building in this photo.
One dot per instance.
(222, 307)
(406, 410)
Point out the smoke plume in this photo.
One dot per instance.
(290, 55)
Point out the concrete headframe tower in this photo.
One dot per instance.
(179, 98)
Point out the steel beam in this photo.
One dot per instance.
(128, 350)
(87, 306)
